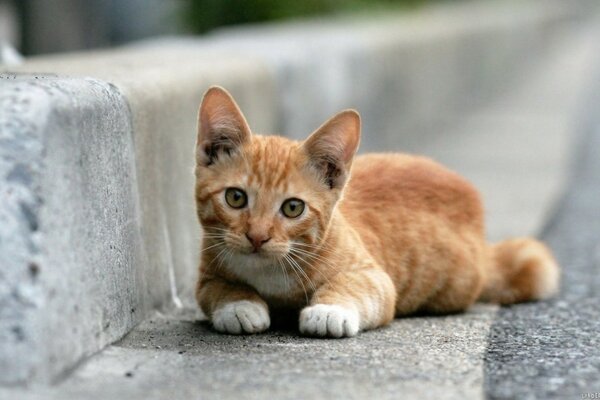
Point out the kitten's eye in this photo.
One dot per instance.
(236, 198)
(292, 208)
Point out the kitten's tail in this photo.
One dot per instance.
(520, 270)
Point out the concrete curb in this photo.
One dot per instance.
(70, 236)
(105, 272)
(148, 119)
(408, 74)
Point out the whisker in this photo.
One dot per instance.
(215, 229)
(299, 279)
(311, 265)
(315, 248)
(213, 246)
(216, 257)
(213, 240)
(301, 271)
(315, 257)
(229, 256)
(285, 275)
(221, 256)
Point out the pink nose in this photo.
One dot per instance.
(257, 240)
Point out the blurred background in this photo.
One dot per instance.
(39, 26)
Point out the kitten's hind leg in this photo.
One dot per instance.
(349, 302)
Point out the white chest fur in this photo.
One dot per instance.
(268, 278)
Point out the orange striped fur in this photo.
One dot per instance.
(381, 235)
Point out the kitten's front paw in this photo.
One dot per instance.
(329, 320)
(241, 317)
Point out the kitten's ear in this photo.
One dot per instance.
(222, 127)
(331, 148)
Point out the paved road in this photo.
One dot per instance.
(552, 349)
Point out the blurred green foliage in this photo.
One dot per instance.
(204, 15)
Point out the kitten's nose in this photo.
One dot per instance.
(257, 240)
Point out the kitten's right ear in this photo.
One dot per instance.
(331, 148)
(222, 127)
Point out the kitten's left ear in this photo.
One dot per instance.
(331, 148)
(222, 127)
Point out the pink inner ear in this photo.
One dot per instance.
(337, 139)
(221, 123)
(219, 119)
(350, 140)
(332, 147)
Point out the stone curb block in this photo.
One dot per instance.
(407, 74)
(121, 237)
(69, 226)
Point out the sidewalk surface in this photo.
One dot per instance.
(516, 150)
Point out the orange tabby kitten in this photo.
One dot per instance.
(351, 242)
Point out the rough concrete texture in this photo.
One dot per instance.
(180, 358)
(69, 224)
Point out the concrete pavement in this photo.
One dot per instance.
(181, 358)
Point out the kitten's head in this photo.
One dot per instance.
(262, 197)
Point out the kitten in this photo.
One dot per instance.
(350, 241)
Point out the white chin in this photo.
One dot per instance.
(252, 260)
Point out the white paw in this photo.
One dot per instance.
(241, 317)
(329, 320)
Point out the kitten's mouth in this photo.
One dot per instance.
(261, 254)
(256, 253)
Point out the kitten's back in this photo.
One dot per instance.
(402, 183)
(423, 224)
